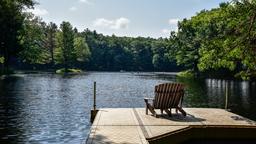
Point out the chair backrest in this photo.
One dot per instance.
(168, 95)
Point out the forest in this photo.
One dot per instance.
(217, 42)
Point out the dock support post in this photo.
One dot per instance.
(226, 95)
(94, 96)
(94, 111)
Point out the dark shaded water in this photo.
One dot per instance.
(49, 108)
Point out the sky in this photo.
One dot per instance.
(146, 18)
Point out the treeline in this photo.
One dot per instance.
(49, 47)
(216, 42)
(46, 46)
(221, 41)
(130, 54)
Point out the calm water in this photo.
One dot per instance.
(48, 108)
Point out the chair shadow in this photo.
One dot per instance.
(180, 118)
(239, 118)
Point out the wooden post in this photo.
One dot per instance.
(226, 95)
(94, 96)
(94, 110)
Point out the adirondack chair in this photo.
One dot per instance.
(167, 96)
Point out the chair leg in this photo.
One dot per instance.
(168, 112)
(162, 111)
(146, 109)
(146, 101)
(150, 108)
(181, 110)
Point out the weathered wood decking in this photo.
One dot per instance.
(133, 126)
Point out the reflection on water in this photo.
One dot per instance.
(49, 108)
(39, 108)
(211, 93)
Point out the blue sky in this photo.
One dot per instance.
(153, 18)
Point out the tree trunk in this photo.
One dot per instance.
(52, 56)
(6, 60)
(52, 50)
(65, 64)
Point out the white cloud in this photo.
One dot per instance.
(73, 8)
(120, 23)
(173, 21)
(38, 11)
(173, 24)
(165, 31)
(85, 1)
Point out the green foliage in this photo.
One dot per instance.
(142, 54)
(68, 52)
(126, 53)
(30, 42)
(63, 71)
(161, 59)
(50, 41)
(33, 42)
(221, 38)
(58, 50)
(187, 53)
(46, 45)
(81, 49)
(1, 60)
(11, 21)
(186, 74)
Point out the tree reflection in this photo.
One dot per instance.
(11, 130)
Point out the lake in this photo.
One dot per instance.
(48, 108)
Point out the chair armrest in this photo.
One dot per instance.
(147, 98)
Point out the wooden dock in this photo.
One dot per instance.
(133, 126)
